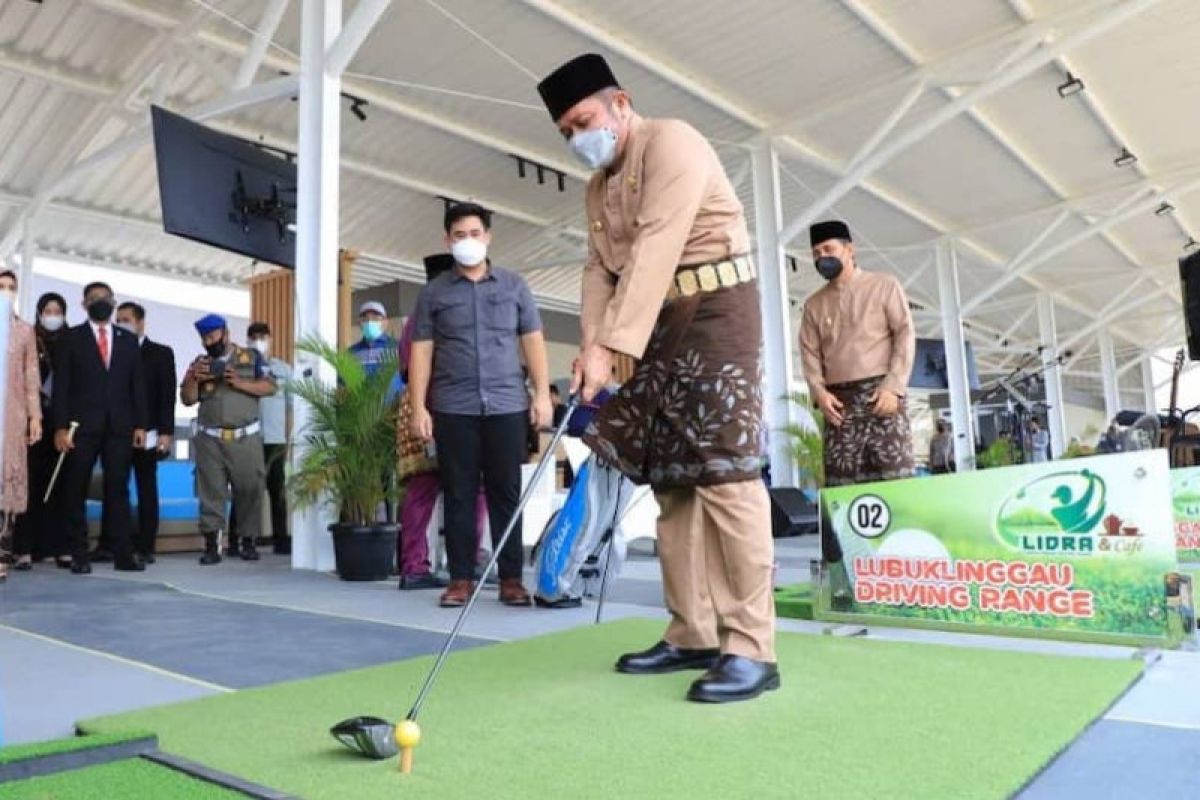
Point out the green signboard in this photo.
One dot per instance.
(1185, 490)
(1075, 549)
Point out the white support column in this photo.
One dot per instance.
(25, 301)
(1056, 412)
(1149, 394)
(961, 418)
(776, 312)
(316, 237)
(1108, 374)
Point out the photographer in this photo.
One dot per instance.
(227, 382)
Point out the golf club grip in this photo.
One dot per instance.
(546, 458)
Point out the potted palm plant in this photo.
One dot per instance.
(348, 458)
(808, 447)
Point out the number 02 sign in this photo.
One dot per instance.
(870, 516)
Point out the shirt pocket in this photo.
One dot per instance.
(500, 314)
(451, 320)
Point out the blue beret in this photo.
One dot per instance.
(209, 323)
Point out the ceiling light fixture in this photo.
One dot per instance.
(1125, 159)
(1072, 86)
(1164, 209)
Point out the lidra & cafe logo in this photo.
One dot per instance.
(1064, 514)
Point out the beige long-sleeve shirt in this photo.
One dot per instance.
(669, 204)
(858, 329)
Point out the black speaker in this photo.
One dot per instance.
(1189, 282)
(792, 514)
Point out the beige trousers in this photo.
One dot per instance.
(716, 551)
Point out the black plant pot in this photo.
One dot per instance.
(364, 552)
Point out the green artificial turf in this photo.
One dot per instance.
(794, 601)
(548, 717)
(128, 779)
(22, 752)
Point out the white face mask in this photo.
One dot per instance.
(127, 326)
(469, 252)
(52, 322)
(596, 148)
(11, 294)
(263, 346)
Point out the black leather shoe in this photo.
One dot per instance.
(99, 556)
(735, 678)
(248, 552)
(148, 558)
(426, 580)
(665, 657)
(132, 564)
(79, 567)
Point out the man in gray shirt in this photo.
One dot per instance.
(472, 326)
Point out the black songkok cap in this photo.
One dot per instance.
(830, 229)
(579, 78)
(436, 264)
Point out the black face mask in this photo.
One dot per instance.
(100, 310)
(829, 267)
(216, 349)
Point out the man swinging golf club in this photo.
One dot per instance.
(668, 281)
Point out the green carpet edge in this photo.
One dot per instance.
(84, 741)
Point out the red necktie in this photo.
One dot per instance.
(103, 342)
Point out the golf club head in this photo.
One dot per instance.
(371, 736)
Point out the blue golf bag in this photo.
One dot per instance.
(581, 541)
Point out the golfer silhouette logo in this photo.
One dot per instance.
(1057, 513)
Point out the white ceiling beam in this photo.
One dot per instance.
(640, 55)
(1085, 204)
(870, 18)
(142, 65)
(1111, 310)
(941, 70)
(268, 24)
(1126, 211)
(86, 213)
(235, 46)
(78, 81)
(205, 277)
(1095, 105)
(1096, 26)
(354, 32)
(1037, 241)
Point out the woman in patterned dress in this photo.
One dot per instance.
(22, 419)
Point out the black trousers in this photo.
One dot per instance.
(39, 531)
(469, 447)
(115, 454)
(274, 457)
(145, 472)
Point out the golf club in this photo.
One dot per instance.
(58, 466)
(547, 457)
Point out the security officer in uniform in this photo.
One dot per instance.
(227, 382)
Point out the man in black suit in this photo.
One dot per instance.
(99, 384)
(158, 367)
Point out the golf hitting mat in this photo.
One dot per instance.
(548, 717)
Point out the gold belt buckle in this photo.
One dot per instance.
(228, 435)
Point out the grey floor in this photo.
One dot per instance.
(195, 631)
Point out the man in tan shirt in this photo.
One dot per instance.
(857, 344)
(669, 283)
